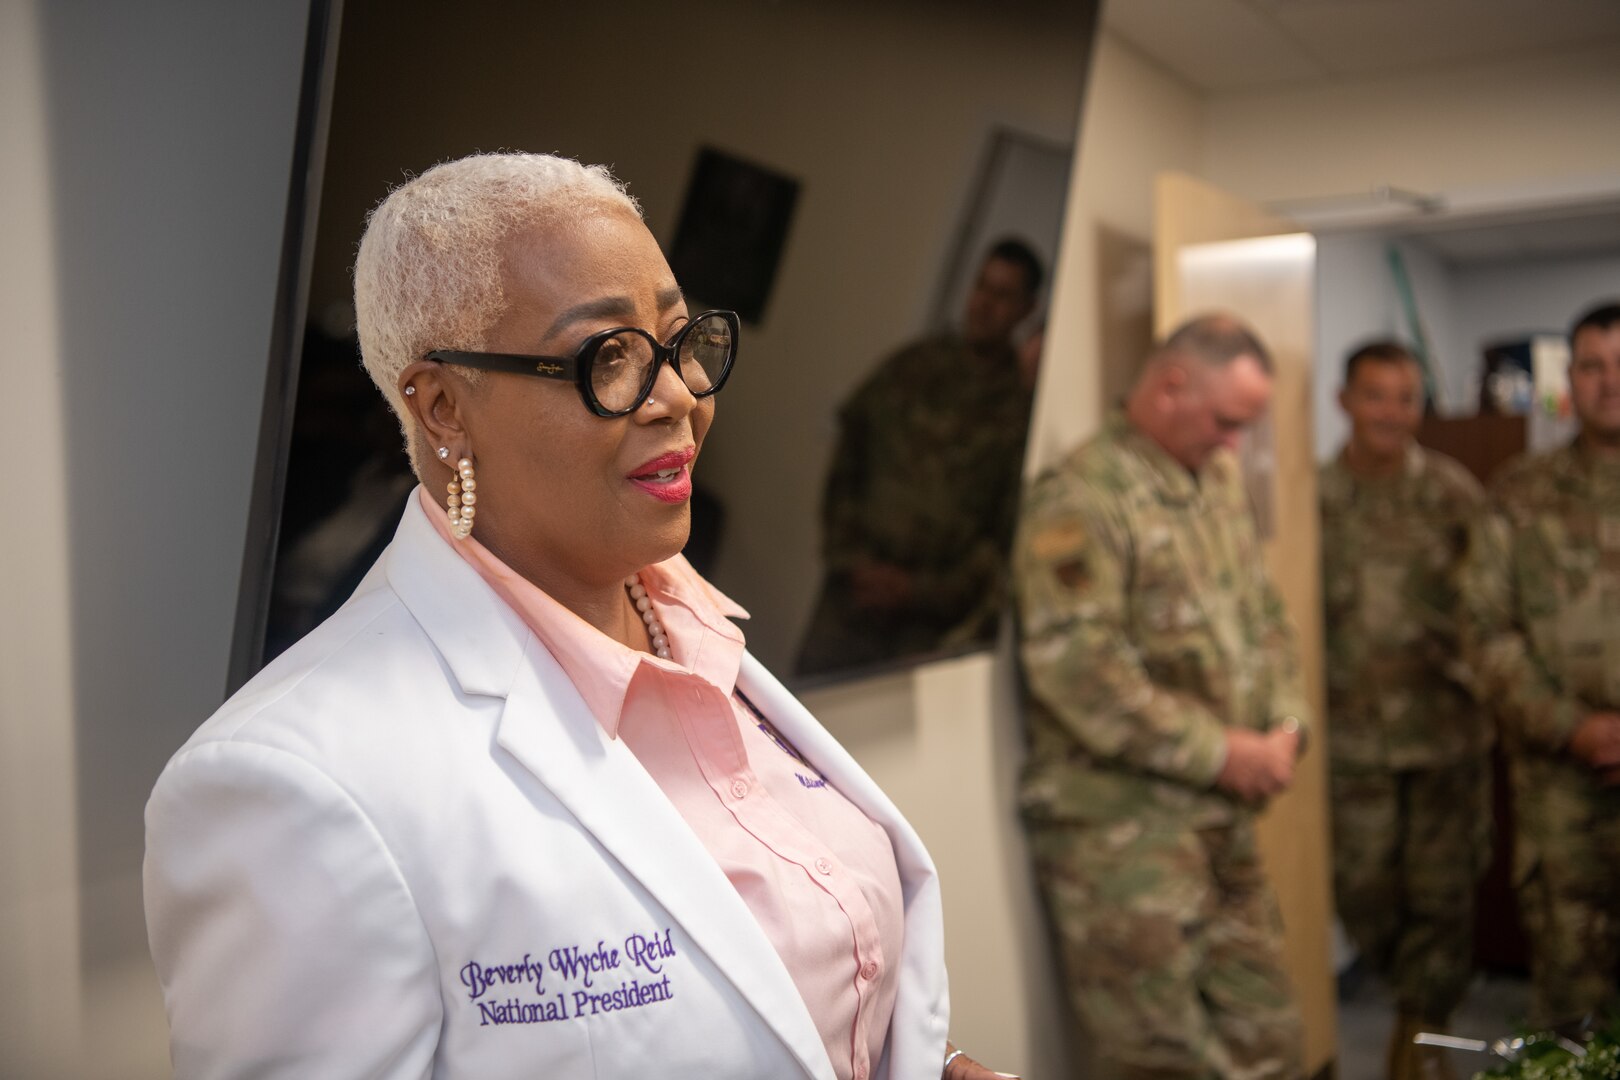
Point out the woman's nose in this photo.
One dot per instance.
(670, 395)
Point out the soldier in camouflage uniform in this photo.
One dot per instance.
(1164, 709)
(1407, 746)
(1542, 629)
(922, 495)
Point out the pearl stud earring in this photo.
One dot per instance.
(444, 453)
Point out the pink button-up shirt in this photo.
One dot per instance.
(818, 874)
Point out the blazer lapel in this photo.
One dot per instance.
(789, 716)
(549, 729)
(479, 636)
(922, 1007)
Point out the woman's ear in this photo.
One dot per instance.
(437, 400)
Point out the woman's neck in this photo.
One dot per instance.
(603, 604)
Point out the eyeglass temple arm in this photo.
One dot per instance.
(550, 367)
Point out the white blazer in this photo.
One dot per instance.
(407, 849)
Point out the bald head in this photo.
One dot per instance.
(1201, 388)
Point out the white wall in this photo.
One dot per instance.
(145, 150)
(1512, 299)
(1355, 300)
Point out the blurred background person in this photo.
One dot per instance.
(1165, 709)
(1408, 748)
(1542, 630)
(920, 500)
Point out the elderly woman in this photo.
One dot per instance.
(525, 807)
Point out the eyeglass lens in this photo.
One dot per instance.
(621, 369)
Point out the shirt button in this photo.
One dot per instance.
(869, 970)
(739, 788)
(824, 865)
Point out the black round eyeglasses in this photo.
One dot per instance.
(615, 369)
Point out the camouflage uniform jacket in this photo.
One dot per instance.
(1149, 627)
(1542, 590)
(1392, 548)
(925, 476)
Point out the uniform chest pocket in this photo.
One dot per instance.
(1164, 596)
(1387, 614)
(1580, 570)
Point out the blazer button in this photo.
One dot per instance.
(824, 865)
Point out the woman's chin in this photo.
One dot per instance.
(663, 542)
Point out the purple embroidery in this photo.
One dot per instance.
(645, 955)
(786, 747)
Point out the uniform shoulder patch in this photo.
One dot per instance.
(1058, 540)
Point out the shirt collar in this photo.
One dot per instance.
(1414, 463)
(695, 616)
(1175, 480)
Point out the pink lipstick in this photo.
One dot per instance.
(666, 477)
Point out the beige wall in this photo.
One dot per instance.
(1138, 121)
(1509, 127)
(38, 886)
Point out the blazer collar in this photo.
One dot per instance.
(548, 729)
(479, 636)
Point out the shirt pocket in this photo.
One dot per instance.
(1165, 601)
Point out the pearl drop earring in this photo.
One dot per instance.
(461, 501)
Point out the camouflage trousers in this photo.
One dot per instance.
(1171, 947)
(1567, 872)
(1409, 848)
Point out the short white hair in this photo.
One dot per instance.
(429, 274)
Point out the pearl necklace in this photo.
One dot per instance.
(643, 602)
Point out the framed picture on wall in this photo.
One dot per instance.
(732, 231)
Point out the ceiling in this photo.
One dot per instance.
(1236, 46)
(1232, 45)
